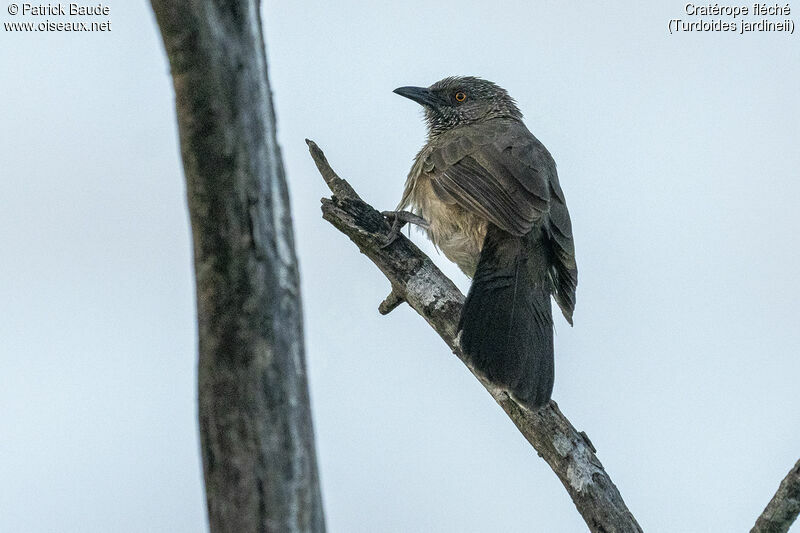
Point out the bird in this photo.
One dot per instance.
(486, 192)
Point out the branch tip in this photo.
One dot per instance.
(390, 303)
(783, 508)
(337, 185)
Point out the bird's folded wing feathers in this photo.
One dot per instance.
(501, 172)
(498, 171)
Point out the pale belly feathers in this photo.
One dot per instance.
(456, 232)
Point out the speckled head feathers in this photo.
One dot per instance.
(461, 100)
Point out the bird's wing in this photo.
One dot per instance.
(564, 270)
(497, 170)
(500, 171)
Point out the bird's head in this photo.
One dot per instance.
(459, 101)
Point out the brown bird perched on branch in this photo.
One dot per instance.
(487, 193)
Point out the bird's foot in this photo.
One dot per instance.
(399, 219)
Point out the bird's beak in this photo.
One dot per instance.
(421, 95)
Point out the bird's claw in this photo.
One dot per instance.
(397, 224)
(399, 219)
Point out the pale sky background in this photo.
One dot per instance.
(679, 159)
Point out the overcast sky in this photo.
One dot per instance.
(678, 155)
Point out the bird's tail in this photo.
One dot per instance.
(507, 323)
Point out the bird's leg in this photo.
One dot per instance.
(399, 219)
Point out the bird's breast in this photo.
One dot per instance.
(458, 233)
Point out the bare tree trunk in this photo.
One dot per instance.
(256, 435)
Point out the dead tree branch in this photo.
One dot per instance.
(415, 279)
(257, 440)
(783, 508)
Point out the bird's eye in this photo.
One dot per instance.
(461, 96)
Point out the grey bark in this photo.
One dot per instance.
(415, 279)
(257, 440)
(784, 507)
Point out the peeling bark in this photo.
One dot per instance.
(415, 279)
(257, 440)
